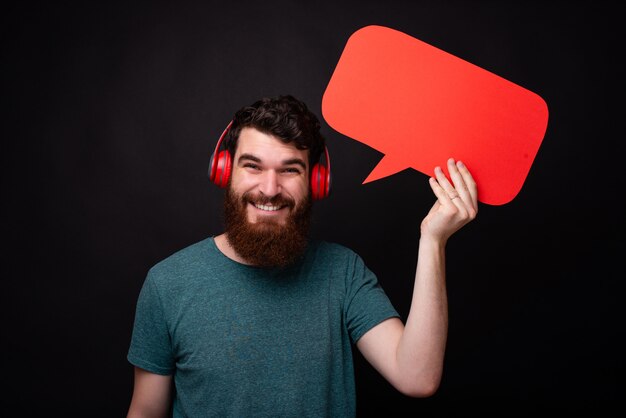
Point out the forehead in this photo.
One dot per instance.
(267, 147)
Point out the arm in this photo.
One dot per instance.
(410, 356)
(151, 395)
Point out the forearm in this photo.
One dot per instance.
(151, 395)
(421, 348)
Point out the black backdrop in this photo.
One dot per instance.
(114, 110)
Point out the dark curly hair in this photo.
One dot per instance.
(284, 117)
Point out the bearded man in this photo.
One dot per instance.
(260, 321)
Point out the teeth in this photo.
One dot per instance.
(266, 207)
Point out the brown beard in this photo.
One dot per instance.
(266, 243)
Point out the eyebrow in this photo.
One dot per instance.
(249, 157)
(291, 161)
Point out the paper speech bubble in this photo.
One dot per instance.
(420, 105)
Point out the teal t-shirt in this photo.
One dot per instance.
(244, 341)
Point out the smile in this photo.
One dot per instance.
(268, 208)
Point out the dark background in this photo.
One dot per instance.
(114, 110)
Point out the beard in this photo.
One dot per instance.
(267, 243)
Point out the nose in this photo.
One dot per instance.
(269, 184)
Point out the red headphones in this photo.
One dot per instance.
(220, 167)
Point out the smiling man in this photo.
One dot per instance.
(260, 321)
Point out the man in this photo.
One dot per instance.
(260, 320)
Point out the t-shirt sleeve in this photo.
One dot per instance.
(367, 304)
(150, 346)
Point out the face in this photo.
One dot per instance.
(272, 175)
(267, 205)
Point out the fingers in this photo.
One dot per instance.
(443, 189)
(440, 193)
(462, 191)
(464, 183)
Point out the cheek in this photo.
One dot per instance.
(241, 182)
(301, 189)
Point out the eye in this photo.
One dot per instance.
(291, 170)
(252, 166)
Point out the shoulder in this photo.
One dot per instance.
(181, 262)
(333, 252)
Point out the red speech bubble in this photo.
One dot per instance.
(420, 105)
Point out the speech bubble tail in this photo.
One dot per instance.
(386, 167)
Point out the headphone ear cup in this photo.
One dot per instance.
(220, 168)
(220, 162)
(320, 182)
(212, 168)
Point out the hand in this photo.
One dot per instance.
(456, 204)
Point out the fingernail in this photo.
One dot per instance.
(460, 164)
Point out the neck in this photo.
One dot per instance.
(221, 241)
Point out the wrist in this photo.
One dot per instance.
(431, 241)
